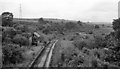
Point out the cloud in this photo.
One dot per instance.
(105, 7)
(86, 10)
(102, 11)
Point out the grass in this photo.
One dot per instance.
(29, 55)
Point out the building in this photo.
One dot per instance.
(119, 9)
(34, 39)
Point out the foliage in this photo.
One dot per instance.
(97, 27)
(70, 25)
(113, 43)
(80, 44)
(94, 63)
(90, 32)
(22, 28)
(8, 34)
(41, 21)
(116, 27)
(46, 30)
(12, 54)
(79, 22)
(100, 42)
(7, 18)
(41, 27)
(21, 40)
(116, 24)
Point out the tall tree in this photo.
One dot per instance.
(7, 19)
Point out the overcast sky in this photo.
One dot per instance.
(84, 10)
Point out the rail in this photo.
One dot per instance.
(44, 55)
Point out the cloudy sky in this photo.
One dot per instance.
(84, 10)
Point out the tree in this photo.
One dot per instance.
(7, 19)
(41, 21)
(97, 27)
(12, 54)
(116, 24)
(113, 42)
(79, 22)
(8, 34)
(21, 40)
(116, 27)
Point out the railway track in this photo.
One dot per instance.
(44, 56)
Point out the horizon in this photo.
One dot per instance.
(63, 9)
(66, 20)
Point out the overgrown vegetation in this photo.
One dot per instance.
(90, 49)
(12, 54)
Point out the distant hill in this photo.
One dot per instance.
(45, 19)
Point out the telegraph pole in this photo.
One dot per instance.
(20, 11)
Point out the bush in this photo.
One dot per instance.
(94, 63)
(100, 42)
(8, 34)
(97, 27)
(41, 21)
(22, 28)
(21, 40)
(79, 22)
(12, 54)
(90, 32)
(80, 44)
(70, 25)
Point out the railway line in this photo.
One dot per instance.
(43, 58)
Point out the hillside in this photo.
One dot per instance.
(75, 38)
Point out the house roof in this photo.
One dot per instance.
(35, 33)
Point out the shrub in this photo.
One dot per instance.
(90, 32)
(12, 54)
(46, 31)
(80, 44)
(41, 21)
(8, 34)
(22, 28)
(97, 27)
(21, 40)
(100, 41)
(94, 63)
(70, 25)
(79, 22)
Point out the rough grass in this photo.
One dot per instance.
(29, 54)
